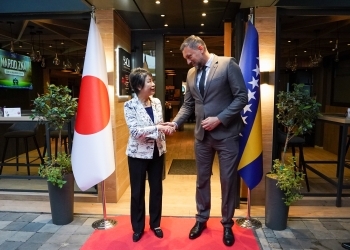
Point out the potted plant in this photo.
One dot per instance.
(56, 107)
(296, 112)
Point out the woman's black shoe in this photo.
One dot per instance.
(137, 236)
(157, 232)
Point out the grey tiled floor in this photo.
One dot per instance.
(33, 231)
(302, 233)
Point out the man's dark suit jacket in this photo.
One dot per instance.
(225, 96)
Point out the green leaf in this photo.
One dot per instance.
(288, 179)
(55, 169)
(55, 107)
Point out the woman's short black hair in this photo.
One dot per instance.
(137, 79)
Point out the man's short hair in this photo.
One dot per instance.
(193, 42)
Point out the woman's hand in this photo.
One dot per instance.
(166, 129)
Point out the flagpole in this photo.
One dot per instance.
(250, 39)
(248, 222)
(251, 16)
(93, 13)
(104, 223)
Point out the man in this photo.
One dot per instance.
(218, 124)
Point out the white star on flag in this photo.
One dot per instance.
(257, 69)
(251, 95)
(247, 108)
(244, 118)
(254, 82)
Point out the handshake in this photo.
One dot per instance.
(167, 128)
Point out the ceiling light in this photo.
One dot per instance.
(162, 15)
(157, 2)
(305, 51)
(56, 61)
(67, 66)
(202, 24)
(167, 41)
(289, 41)
(76, 70)
(205, 1)
(12, 41)
(330, 41)
(165, 25)
(171, 51)
(203, 14)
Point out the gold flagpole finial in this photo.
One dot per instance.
(93, 8)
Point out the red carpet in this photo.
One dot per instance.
(176, 230)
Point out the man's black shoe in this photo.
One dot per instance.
(136, 236)
(157, 232)
(197, 230)
(228, 238)
(346, 245)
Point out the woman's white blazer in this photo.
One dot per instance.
(143, 133)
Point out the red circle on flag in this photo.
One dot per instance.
(93, 110)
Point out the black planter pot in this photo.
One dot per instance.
(276, 212)
(62, 201)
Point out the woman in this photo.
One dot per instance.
(145, 150)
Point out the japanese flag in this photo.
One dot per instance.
(93, 152)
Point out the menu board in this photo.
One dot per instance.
(15, 70)
(124, 71)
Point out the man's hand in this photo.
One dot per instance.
(172, 124)
(210, 123)
(166, 129)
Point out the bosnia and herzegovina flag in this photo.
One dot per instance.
(250, 165)
(93, 152)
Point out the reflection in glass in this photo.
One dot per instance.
(149, 57)
(56, 61)
(32, 55)
(43, 64)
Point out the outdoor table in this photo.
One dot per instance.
(26, 118)
(343, 123)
